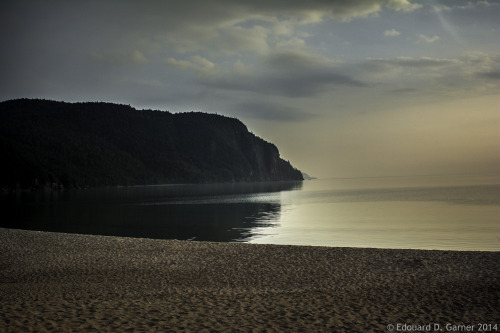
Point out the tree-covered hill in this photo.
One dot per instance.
(101, 144)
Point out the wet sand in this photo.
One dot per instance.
(78, 283)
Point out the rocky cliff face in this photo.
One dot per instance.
(102, 144)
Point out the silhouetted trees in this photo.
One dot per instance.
(100, 144)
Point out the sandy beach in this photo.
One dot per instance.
(53, 282)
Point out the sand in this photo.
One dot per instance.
(77, 283)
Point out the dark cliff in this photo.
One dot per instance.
(102, 144)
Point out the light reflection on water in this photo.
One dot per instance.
(391, 213)
(388, 224)
(440, 212)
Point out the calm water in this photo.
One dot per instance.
(441, 212)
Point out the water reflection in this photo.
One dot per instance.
(449, 213)
(211, 212)
(391, 214)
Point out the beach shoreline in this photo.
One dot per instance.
(78, 283)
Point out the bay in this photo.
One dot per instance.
(447, 212)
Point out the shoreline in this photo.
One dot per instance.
(72, 282)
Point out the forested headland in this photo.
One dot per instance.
(46, 144)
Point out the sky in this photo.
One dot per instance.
(343, 88)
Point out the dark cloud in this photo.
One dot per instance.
(426, 76)
(297, 61)
(491, 75)
(291, 74)
(289, 84)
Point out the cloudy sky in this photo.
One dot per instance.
(343, 88)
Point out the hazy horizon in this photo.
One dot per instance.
(344, 89)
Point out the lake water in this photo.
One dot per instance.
(439, 212)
